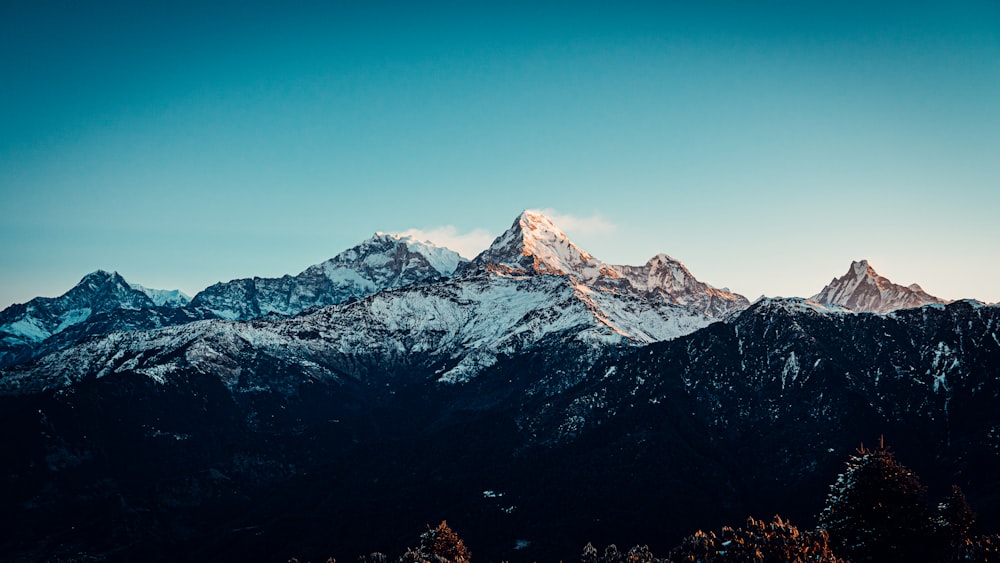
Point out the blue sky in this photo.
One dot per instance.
(765, 146)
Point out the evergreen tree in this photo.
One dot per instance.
(639, 554)
(589, 554)
(956, 518)
(877, 511)
(777, 541)
(982, 549)
(444, 543)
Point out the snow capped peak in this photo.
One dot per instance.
(533, 245)
(383, 261)
(396, 251)
(108, 287)
(662, 259)
(99, 275)
(530, 231)
(537, 223)
(25, 325)
(164, 297)
(862, 289)
(549, 245)
(101, 278)
(660, 272)
(443, 259)
(668, 278)
(862, 268)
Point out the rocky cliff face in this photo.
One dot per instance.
(24, 328)
(379, 263)
(533, 245)
(104, 302)
(669, 279)
(862, 289)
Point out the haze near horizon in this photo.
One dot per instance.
(766, 147)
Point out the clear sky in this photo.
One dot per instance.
(764, 144)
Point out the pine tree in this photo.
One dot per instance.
(443, 542)
(777, 541)
(956, 518)
(877, 511)
(981, 549)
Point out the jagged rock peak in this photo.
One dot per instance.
(862, 268)
(99, 276)
(533, 245)
(862, 289)
(668, 277)
(660, 271)
(102, 291)
(101, 280)
(442, 259)
(384, 261)
(24, 325)
(390, 260)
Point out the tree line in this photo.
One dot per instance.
(876, 511)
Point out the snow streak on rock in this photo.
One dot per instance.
(164, 297)
(863, 290)
(382, 262)
(533, 245)
(669, 278)
(23, 326)
(391, 307)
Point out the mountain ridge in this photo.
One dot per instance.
(531, 393)
(217, 426)
(533, 245)
(24, 326)
(665, 275)
(658, 300)
(381, 262)
(605, 301)
(864, 290)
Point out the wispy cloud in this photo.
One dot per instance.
(468, 244)
(594, 224)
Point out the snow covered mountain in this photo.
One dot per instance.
(394, 310)
(227, 431)
(533, 245)
(384, 261)
(399, 303)
(785, 387)
(531, 288)
(535, 372)
(669, 278)
(164, 297)
(863, 290)
(23, 327)
(469, 313)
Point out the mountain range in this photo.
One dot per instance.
(557, 286)
(656, 301)
(535, 393)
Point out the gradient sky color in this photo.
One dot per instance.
(765, 145)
